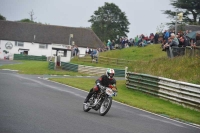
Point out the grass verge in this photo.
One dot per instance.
(140, 100)
(37, 67)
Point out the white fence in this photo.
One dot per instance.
(181, 92)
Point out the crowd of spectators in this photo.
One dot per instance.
(179, 40)
(167, 39)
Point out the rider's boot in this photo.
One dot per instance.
(89, 96)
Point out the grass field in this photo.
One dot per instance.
(140, 100)
(37, 67)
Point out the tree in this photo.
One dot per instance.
(2, 17)
(160, 28)
(190, 9)
(26, 20)
(109, 21)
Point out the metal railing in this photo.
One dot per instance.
(180, 92)
(106, 60)
(195, 51)
(90, 69)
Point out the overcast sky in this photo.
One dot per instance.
(144, 15)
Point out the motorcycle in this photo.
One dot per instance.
(101, 100)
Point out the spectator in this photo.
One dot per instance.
(193, 43)
(136, 40)
(166, 45)
(90, 51)
(113, 44)
(131, 42)
(173, 41)
(123, 42)
(186, 32)
(151, 37)
(94, 53)
(76, 51)
(87, 51)
(156, 38)
(184, 41)
(166, 36)
(126, 42)
(108, 45)
(143, 43)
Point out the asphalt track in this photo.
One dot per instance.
(29, 104)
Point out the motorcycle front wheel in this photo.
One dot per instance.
(105, 106)
(86, 107)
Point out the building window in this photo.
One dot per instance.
(43, 46)
(19, 44)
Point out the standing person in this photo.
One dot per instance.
(113, 44)
(90, 51)
(131, 42)
(123, 42)
(166, 36)
(151, 37)
(136, 40)
(126, 43)
(108, 44)
(106, 80)
(87, 51)
(76, 50)
(156, 38)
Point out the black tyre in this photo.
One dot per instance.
(86, 107)
(105, 106)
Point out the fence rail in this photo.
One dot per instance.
(181, 92)
(106, 60)
(189, 51)
(29, 57)
(90, 69)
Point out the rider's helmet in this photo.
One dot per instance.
(110, 73)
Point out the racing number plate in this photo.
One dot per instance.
(109, 91)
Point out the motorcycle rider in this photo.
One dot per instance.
(105, 80)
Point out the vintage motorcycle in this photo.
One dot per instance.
(101, 100)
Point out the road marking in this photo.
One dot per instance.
(10, 70)
(53, 75)
(14, 70)
(147, 116)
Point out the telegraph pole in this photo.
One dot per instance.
(31, 14)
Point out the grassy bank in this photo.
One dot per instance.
(153, 61)
(141, 100)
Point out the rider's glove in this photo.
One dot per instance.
(98, 84)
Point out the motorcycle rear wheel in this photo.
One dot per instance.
(105, 106)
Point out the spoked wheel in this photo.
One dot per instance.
(105, 106)
(86, 107)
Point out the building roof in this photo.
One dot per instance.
(186, 27)
(48, 34)
(192, 27)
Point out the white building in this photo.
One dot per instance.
(44, 40)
